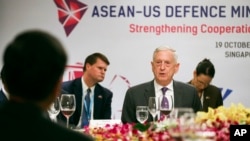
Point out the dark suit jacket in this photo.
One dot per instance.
(102, 101)
(212, 97)
(26, 122)
(3, 98)
(185, 95)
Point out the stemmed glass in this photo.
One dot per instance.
(142, 114)
(166, 106)
(152, 107)
(54, 109)
(184, 117)
(179, 112)
(68, 106)
(187, 126)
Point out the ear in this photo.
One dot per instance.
(152, 66)
(56, 91)
(194, 73)
(177, 66)
(88, 66)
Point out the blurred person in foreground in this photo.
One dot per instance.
(164, 66)
(94, 70)
(209, 94)
(4, 96)
(34, 63)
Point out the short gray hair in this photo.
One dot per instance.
(166, 48)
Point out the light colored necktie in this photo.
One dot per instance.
(86, 110)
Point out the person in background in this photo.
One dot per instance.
(164, 66)
(94, 70)
(209, 95)
(4, 96)
(34, 64)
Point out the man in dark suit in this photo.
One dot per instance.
(94, 70)
(210, 95)
(164, 66)
(34, 63)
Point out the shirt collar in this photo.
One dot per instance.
(158, 86)
(85, 87)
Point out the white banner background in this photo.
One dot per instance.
(130, 53)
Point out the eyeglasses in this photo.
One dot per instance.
(200, 82)
(160, 63)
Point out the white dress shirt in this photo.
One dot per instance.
(84, 89)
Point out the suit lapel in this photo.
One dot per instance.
(177, 94)
(149, 91)
(77, 89)
(205, 99)
(98, 100)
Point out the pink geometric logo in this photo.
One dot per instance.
(73, 71)
(70, 13)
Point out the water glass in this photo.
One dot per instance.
(54, 109)
(142, 114)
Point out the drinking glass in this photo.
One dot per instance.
(165, 107)
(181, 116)
(142, 114)
(152, 107)
(54, 109)
(180, 111)
(68, 105)
(187, 126)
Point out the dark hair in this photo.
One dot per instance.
(91, 59)
(33, 64)
(205, 67)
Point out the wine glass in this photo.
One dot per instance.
(152, 107)
(68, 106)
(54, 109)
(183, 117)
(165, 105)
(187, 126)
(142, 113)
(178, 112)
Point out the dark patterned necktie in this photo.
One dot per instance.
(87, 99)
(164, 102)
